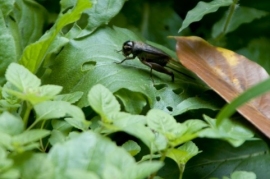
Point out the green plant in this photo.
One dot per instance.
(68, 111)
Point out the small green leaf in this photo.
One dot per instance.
(192, 103)
(30, 136)
(35, 53)
(165, 124)
(241, 16)
(230, 130)
(70, 97)
(184, 153)
(102, 101)
(50, 90)
(57, 109)
(56, 137)
(132, 147)
(22, 78)
(11, 124)
(202, 9)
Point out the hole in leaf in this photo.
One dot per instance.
(158, 98)
(178, 91)
(66, 10)
(83, 21)
(169, 108)
(67, 28)
(88, 65)
(160, 86)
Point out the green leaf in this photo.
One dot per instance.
(95, 54)
(75, 173)
(35, 53)
(8, 51)
(193, 103)
(50, 90)
(99, 155)
(101, 13)
(243, 175)
(11, 124)
(6, 169)
(6, 7)
(34, 166)
(103, 101)
(30, 136)
(132, 147)
(220, 159)
(56, 137)
(22, 78)
(31, 19)
(70, 97)
(250, 93)
(165, 124)
(128, 97)
(57, 109)
(184, 153)
(233, 131)
(241, 16)
(202, 9)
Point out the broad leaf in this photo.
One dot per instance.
(100, 13)
(57, 109)
(103, 101)
(132, 147)
(30, 136)
(91, 60)
(182, 154)
(229, 74)
(11, 124)
(202, 9)
(35, 53)
(241, 15)
(93, 149)
(8, 51)
(220, 159)
(33, 165)
(232, 131)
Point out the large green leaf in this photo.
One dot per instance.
(30, 18)
(202, 9)
(8, 52)
(100, 13)
(34, 165)
(220, 159)
(35, 53)
(10, 124)
(241, 15)
(91, 60)
(99, 155)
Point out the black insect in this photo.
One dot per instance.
(151, 56)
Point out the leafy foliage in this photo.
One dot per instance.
(68, 109)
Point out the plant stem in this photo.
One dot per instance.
(181, 169)
(162, 158)
(27, 113)
(228, 20)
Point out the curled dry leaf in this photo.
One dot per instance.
(229, 74)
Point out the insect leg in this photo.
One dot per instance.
(158, 68)
(127, 58)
